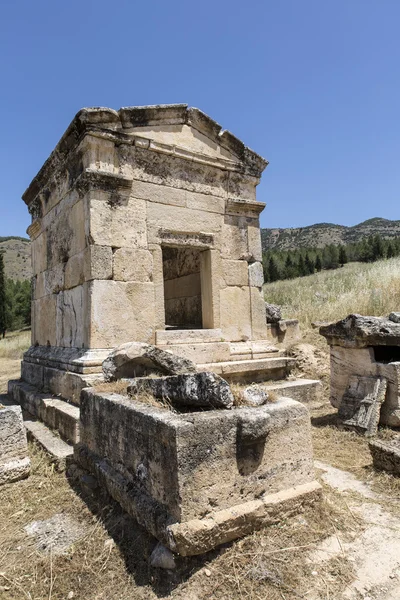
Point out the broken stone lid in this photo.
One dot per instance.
(356, 331)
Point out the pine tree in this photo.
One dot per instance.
(390, 251)
(3, 299)
(342, 256)
(273, 273)
(318, 263)
(309, 265)
(377, 249)
(301, 266)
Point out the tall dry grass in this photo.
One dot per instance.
(15, 344)
(367, 289)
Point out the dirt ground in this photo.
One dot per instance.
(346, 548)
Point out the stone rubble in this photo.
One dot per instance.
(202, 390)
(14, 460)
(273, 313)
(135, 358)
(361, 404)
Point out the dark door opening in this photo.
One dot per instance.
(182, 288)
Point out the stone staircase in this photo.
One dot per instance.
(52, 418)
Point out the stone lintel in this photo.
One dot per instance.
(181, 238)
(102, 180)
(357, 331)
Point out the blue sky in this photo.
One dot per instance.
(311, 85)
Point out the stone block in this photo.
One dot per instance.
(120, 312)
(176, 218)
(235, 313)
(361, 404)
(65, 234)
(386, 455)
(234, 273)
(44, 320)
(118, 221)
(258, 323)
(132, 264)
(39, 253)
(256, 275)
(72, 318)
(178, 478)
(254, 239)
(95, 262)
(234, 240)
(162, 194)
(14, 460)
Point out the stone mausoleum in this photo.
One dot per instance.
(145, 227)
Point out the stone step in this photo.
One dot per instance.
(58, 450)
(188, 336)
(306, 391)
(262, 369)
(54, 412)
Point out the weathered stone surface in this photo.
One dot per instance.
(235, 272)
(395, 317)
(386, 455)
(361, 404)
(273, 313)
(255, 395)
(134, 358)
(164, 467)
(356, 331)
(131, 264)
(256, 275)
(14, 460)
(235, 313)
(205, 390)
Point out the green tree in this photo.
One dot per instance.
(273, 272)
(3, 298)
(343, 259)
(309, 265)
(318, 263)
(377, 249)
(390, 251)
(301, 266)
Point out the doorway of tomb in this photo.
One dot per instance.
(182, 287)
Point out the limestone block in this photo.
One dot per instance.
(66, 233)
(201, 353)
(120, 312)
(44, 320)
(234, 242)
(347, 362)
(235, 313)
(258, 323)
(206, 202)
(131, 264)
(32, 373)
(95, 262)
(361, 404)
(39, 253)
(210, 277)
(72, 318)
(14, 460)
(54, 279)
(254, 239)
(131, 359)
(118, 221)
(386, 455)
(155, 192)
(175, 218)
(256, 275)
(200, 390)
(158, 280)
(242, 187)
(234, 273)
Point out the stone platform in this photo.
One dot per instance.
(168, 474)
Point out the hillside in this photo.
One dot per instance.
(17, 257)
(322, 234)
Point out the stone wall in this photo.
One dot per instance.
(119, 189)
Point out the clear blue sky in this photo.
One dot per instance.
(311, 85)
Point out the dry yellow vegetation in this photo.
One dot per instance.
(363, 288)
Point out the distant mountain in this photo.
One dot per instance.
(17, 257)
(322, 234)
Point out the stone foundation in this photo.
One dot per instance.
(168, 473)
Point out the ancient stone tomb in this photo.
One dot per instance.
(145, 232)
(365, 370)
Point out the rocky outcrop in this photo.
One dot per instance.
(203, 390)
(135, 358)
(356, 331)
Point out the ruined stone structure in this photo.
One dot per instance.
(145, 227)
(365, 350)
